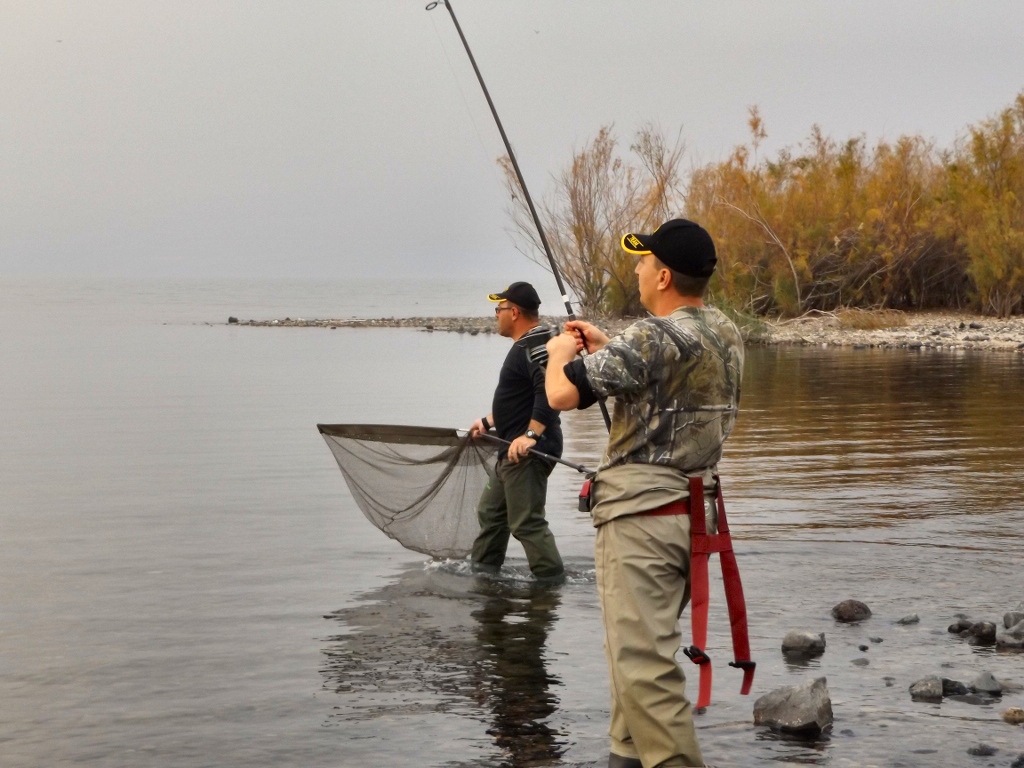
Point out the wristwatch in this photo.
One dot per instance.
(532, 435)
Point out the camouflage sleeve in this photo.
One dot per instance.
(623, 366)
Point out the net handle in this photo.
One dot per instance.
(578, 467)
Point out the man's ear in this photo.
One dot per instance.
(664, 278)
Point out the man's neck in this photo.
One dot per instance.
(669, 304)
(518, 333)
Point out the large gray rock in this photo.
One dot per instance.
(985, 682)
(1013, 617)
(911, 619)
(927, 689)
(1012, 637)
(805, 644)
(851, 610)
(803, 709)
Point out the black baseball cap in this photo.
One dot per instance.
(679, 244)
(521, 294)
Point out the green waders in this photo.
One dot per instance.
(513, 503)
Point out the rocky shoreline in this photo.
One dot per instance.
(859, 330)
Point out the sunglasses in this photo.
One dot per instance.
(497, 310)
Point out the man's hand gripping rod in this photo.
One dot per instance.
(578, 467)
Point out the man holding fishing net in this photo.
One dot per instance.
(513, 500)
(675, 378)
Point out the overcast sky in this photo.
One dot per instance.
(318, 140)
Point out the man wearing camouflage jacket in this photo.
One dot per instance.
(675, 380)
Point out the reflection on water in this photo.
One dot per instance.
(441, 640)
(889, 477)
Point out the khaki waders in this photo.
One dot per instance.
(643, 569)
(513, 504)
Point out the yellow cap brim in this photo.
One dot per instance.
(494, 297)
(628, 247)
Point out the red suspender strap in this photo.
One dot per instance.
(702, 545)
(737, 605)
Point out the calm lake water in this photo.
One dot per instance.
(185, 580)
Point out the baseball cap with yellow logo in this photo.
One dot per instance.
(521, 294)
(679, 244)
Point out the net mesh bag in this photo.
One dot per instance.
(420, 485)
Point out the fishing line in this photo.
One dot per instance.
(519, 177)
(465, 102)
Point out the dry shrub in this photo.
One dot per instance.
(823, 226)
(871, 319)
(598, 198)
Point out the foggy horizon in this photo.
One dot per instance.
(350, 140)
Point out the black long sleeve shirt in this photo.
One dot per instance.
(520, 394)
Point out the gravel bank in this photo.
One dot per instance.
(940, 331)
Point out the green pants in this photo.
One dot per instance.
(513, 503)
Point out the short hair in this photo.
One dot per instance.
(529, 314)
(686, 285)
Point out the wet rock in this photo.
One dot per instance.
(982, 750)
(960, 625)
(850, 611)
(805, 644)
(875, 639)
(975, 326)
(1011, 618)
(232, 321)
(860, 662)
(890, 681)
(911, 619)
(803, 709)
(1019, 762)
(985, 682)
(962, 326)
(927, 689)
(983, 632)
(1014, 716)
(1012, 637)
(953, 687)
(862, 647)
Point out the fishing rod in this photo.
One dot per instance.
(519, 176)
(578, 467)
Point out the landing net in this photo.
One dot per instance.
(420, 485)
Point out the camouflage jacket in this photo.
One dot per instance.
(676, 384)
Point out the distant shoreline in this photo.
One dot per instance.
(923, 330)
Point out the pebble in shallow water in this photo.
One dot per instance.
(1014, 716)
(927, 689)
(982, 750)
(850, 611)
(1012, 637)
(806, 644)
(986, 682)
